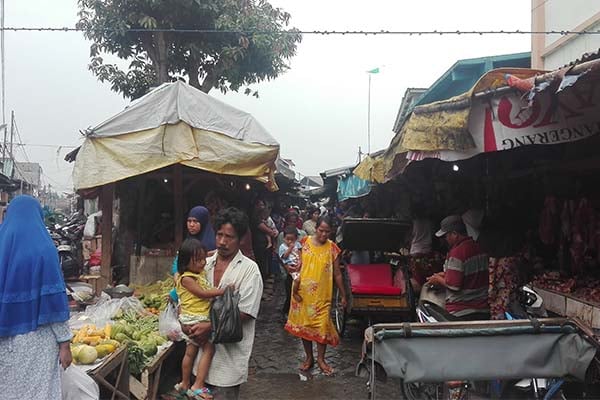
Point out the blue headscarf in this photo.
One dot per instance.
(207, 233)
(32, 289)
(206, 236)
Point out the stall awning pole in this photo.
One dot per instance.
(178, 203)
(107, 196)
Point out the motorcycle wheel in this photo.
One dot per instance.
(420, 390)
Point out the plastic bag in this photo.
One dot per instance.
(106, 309)
(89, 231)
(225, 318)
(77, 385)
(168, 324)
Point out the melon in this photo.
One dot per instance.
(87, 355)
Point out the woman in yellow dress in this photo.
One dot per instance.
(310, 318)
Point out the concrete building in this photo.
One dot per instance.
(553, 51)
(26, 177)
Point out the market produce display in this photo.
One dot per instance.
(125, 321)
(582, 288)
(155, 296)
(90, 344)
(140, 333)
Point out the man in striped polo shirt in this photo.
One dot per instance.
(465, 274)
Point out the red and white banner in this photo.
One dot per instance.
(508, 122)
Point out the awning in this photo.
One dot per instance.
(507, 108)
(352, 187)
(371, 168)
(176, 124)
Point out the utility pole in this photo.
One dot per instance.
(369, 119)
(12, 133)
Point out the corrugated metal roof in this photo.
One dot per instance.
(410, 98)
(461, 76)
(337, 172)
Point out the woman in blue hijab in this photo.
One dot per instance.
(34, 334)
(199, 227)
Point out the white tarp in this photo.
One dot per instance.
(171, 103)
(176, 124)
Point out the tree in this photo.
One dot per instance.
(250, 43)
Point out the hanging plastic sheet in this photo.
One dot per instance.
(351, 187)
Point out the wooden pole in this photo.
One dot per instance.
(178, 203)
(107, 195)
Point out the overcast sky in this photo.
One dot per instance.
(317, 111)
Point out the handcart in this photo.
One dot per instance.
(374, 290)
(424, 356)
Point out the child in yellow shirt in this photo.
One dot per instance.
(195, 294)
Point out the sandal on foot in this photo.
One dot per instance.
(180, 389)
(200, 394)
(326, 369)
(307, 366)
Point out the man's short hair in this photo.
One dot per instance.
(236, 217)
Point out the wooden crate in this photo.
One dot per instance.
(148, 269)
(117, 361)
(147, 388)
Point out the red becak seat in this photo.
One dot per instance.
(372, 279)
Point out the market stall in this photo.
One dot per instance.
(521, 148)
(151, 162)
(119, 341)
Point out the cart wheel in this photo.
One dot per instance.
(338, 313)
(418, 390)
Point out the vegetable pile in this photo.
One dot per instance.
(140, 333)
(122, 321)
(155, 295)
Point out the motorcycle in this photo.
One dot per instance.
(67, 239)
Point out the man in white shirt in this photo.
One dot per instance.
(229, 367)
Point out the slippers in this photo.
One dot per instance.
(200, 394)
(180, 389)
(306, 366)
(326, 369)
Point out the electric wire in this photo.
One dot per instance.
(306, 32)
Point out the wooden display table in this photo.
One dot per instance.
(147, 389)
(119, 388)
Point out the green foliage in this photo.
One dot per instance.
(226, 61)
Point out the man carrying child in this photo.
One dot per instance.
(228, 266)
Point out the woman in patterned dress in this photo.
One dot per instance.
(34, 335)
(310, 318)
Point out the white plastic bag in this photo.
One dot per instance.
(77, 385)
(168, 324)
(89, 230)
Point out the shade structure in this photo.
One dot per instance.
(176, 124)
(507, 108)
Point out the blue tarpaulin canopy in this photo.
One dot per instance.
(351, 187)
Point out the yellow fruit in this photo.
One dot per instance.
(104, 349)
(111, 342)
